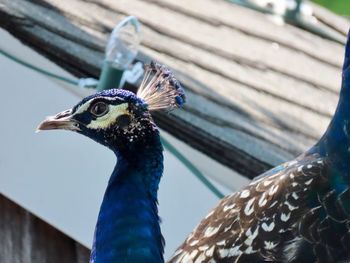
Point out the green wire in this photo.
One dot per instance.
(166, 143)
(35, 68)
(192, 168)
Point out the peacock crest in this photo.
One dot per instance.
(159, 88)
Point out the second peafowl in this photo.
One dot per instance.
(298, 212)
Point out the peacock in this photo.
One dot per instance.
(298, 211)
(127, 227)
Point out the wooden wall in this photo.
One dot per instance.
(25, 238)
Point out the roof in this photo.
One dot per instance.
(258, 93)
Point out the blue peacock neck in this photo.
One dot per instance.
(335, 143)
(128, 228)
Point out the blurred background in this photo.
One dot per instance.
(337, 6)
(262, 79)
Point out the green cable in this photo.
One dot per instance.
(35, 68)
(166, 143)
(192, 168)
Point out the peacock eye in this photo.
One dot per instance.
(99, 109)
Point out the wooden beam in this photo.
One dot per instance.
(258, 93)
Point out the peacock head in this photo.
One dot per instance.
(120, 119)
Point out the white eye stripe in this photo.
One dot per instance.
(83, 107)
(87, 104)
(108, 119)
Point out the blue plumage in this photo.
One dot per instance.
(128, 224)
(127, 229)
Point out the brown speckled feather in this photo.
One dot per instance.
(261, 222)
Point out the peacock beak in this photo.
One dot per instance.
(62, 120)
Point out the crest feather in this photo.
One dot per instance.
(159, 88)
